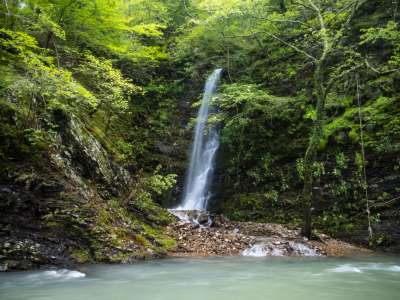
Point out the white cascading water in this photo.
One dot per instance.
(291, 248)
(204, 148)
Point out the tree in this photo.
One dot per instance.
(330, 36)
(114, 91)
(313, 35)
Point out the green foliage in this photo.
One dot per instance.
(106, 232)
(84, 60)
(389, 35)
(81, 256)
(334, 221)
(12, 140)
(37, 83)
(107, 83)
(146, 191)
(251, 119)
(158, 183)
(263, 52)
(126, 70)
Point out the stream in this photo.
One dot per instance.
(213, 278)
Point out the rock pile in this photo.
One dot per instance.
(226, 237)
(204, 241)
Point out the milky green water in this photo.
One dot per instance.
(217, 278)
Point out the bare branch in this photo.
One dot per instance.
(335, 79)
(281, 21)
(187, 8)
(6, 5)
(323, 31)
(278, 39)
(302, 4)
(385, 203)
(375, 70)
(291, 46)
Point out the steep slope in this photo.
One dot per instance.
(73, 203)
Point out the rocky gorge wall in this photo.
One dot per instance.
(73, 203)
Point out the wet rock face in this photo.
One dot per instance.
(25, 254)
(52, 217)
(197, 218)
(86, 156)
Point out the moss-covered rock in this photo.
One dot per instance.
(71, 207)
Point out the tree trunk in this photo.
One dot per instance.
(282, 6)
(312, 149)
(108, 122)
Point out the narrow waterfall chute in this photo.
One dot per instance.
(205, 145)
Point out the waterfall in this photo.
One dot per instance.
(196, 192)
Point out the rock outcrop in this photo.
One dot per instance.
(74, 204)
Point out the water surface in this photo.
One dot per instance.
(213, 278)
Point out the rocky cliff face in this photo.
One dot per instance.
(73, 203)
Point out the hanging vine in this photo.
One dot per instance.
(370, 233)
